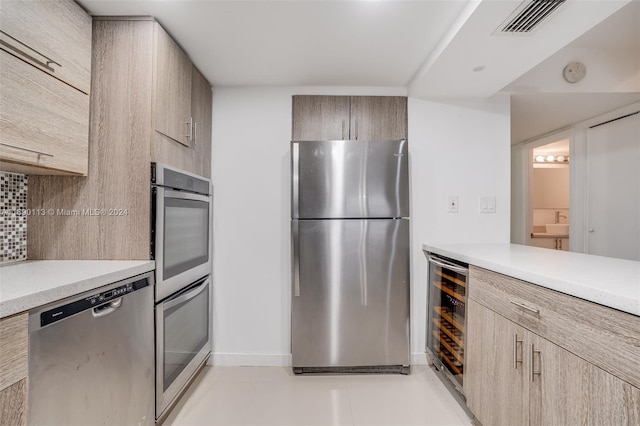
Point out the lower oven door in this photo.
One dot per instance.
(182, 340)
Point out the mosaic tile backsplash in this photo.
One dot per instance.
(13, 224)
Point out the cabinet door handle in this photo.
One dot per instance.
(39, 153)
(534, 373)
(526, 308)
(356, 128)
(195, 133)
(515, 351)
(344, 122)
(7, 43)
(189, 124)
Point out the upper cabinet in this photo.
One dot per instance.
(378, 118)
(349, 118)
(138, 86)
(201, 109)
(45, 52)
(173, 89)
(54, 36)
(320, 118)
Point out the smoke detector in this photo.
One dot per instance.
(574, 72)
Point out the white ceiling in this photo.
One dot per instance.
(295, 43)
(428, 47)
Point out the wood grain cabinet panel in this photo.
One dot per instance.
(349, 118)
(123, 143)
(13, 404)
(173, 88)
(559, 384)
(201, 108)
(378, 118)
(577, 325)
(45, 61)
(54, 36)
(320, 118)
(495, 379)
(44, 122)
(14, 369)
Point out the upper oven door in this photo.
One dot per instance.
(182, 239)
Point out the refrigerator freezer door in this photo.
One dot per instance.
(351, 303)
(349, 179)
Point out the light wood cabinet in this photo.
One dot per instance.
(201, 108)
(173, 88)
(514, 376)
(349, 118)
(45, 124)
(14, 369)
(45, 66)
(54, 36)
(124, 142)
(494, 382)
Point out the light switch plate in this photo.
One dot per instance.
(452, 204)
(487, 204)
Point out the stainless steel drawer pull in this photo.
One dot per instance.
(526, 308)
(515, 351)
(47, 61)
(534, 373)
(39, 153)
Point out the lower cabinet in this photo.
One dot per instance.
(14, 353)
(515, 377)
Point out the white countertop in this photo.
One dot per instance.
(604, 280)
(29, 284)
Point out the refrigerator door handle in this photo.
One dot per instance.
(296, 258)
(295, 177)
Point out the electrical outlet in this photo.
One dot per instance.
(452, 204)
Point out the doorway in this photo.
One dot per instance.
(549, 198)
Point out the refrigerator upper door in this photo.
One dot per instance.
(350, 293)
(349, 179)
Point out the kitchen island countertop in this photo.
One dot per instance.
(607, 281)
(29, 284)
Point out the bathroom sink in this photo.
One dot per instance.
(557, 228)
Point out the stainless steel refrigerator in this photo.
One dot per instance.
(350, 256)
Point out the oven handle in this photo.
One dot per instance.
(164, 192)
(179, 299)
(444, 264)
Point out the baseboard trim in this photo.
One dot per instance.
(250, 360)
(275, 360)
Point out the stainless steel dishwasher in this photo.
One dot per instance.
(91, 357)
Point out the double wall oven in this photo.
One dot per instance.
(181, 246)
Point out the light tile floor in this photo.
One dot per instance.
(263, 396)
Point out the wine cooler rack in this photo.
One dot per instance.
(447, 311)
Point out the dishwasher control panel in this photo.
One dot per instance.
(64, 311)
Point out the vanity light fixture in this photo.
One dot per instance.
(550, 159)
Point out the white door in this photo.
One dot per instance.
(613, 189)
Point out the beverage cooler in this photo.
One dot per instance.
(446, 318)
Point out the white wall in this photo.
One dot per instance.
(461, 151)
(454, 150)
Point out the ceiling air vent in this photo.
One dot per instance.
(529, 15)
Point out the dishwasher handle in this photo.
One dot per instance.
(107, 308)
